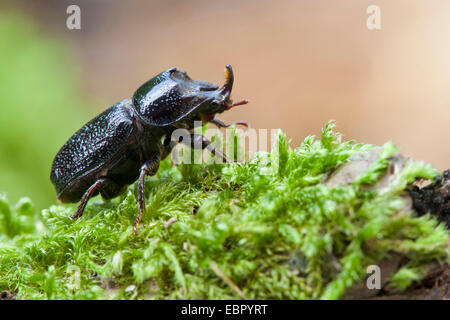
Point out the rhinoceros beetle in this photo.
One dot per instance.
(126, 142)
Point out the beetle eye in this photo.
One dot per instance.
(214, 106)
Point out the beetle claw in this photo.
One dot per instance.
(135, 229)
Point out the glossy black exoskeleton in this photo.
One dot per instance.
(127, 141)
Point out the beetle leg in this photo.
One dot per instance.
(199, 140)
(148, 169)
(220, 124)
(87, 195)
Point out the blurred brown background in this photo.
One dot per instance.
(299, 63)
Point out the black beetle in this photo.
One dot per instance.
(127, 141)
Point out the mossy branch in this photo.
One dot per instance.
(285, 233)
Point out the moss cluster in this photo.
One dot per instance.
(250, 230)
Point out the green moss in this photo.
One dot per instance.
(275, 231)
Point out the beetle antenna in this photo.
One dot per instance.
(240, 103)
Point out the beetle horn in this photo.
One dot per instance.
(228, 86)
(229, 79)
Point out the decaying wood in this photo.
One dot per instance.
(422, 197)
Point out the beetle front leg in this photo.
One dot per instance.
(220, 124)
(199, 140)
(87, 195)
(148, 169)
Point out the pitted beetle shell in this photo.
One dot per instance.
(90, 149)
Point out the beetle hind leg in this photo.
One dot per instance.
(87, 195)
(107, 188)
(148, 169)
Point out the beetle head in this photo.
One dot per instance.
(173, 96)
(221, 98)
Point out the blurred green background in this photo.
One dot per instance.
(41, 106)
